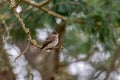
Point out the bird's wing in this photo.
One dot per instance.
(47, 41)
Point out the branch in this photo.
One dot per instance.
(97, 74)
(24, 51)
(18, 3)
(107, 75)
(6, 28)
(33, 42)
(45, 9)
(30, 40)
(113, 63)
(44, 3)
(34, 4)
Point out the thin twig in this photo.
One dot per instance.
(96, 75)
(27, 31)
(33, 42)
(44, 9)
(6, 28)
(60, 3)
(113, 63)
(44, 3)
(18, 3)
(24, 51)
(107, 75)
(30, 40)
(34, 4)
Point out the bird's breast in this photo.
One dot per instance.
(54, 43)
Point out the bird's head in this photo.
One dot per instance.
(55, 33)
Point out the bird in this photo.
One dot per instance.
(51, 41)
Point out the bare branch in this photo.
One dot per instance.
(107, 75)
(18, 3)
(97, 74)
(6, 28)
(113, 63)
(40, 6)
(44, 3)
(30, 40)
(45, 9)
(24, 51)
(33, 42)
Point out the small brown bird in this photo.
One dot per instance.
(51, 41)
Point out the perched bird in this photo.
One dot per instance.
(51, 41)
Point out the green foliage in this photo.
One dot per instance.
(100, 22)
(0, 61)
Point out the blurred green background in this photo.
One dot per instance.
(91, 36)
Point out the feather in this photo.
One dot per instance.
(48, 40)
